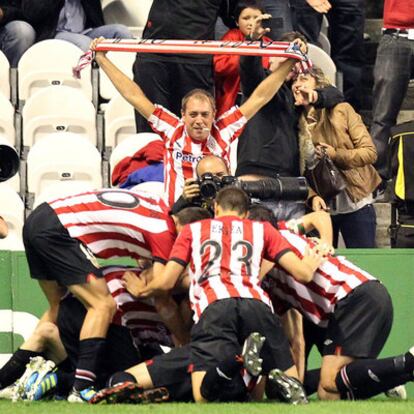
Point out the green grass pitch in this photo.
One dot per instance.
(315, 407)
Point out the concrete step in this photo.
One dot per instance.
(383, 211)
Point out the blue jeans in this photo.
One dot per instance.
(15, 38)
(358, 229)
(83, 40)
(394, 67)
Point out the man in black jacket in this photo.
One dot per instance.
(268, 145)
(167, 78)
(16, 35)
(76, 21)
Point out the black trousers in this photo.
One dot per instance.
(166, 83)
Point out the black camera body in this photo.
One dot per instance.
(279, 188)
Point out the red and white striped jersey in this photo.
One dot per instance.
(225, 256)
(115, 223)
(182, 153)
(138, 315)
(316, 300)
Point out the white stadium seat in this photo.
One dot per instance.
(7, 120)
(119, 121)
(12, 211)
(58, 108)
(151, 187)
(50, 62)
(322, 60)
(129, 146)
(61, 157)
(132, 13)
(124, 61)
(233, 156)
(4, 76)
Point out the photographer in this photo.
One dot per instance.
(213, 174)
(210, 164)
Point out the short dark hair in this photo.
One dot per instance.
(244, 4)
(199, 94)
(191, 214)
(261, 213)
(233, 199)
(291, 36)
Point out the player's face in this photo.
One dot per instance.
(247, 19)
(198, 118)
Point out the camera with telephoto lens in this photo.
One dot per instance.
(9, 161)
(279, 188)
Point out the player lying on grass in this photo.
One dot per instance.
(136, 332)
(348, 315)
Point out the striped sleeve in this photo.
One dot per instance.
(231, 124)
(163, 122)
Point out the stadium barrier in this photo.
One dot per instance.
(22, 302)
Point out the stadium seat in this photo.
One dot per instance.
(124, 61)
(50, 62)
(119, 121)
(130, 146)
(322, 60)
(12, 211)
(61, 157)
(132, 13)
(4, 76)
(58, 108)
(7, 120)
(151, 187)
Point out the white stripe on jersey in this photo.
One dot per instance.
(79, 231)
(100, 245)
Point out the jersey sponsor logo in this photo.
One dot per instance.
(178, 155)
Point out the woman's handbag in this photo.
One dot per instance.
(325, 177)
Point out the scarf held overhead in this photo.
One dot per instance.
(203, 47)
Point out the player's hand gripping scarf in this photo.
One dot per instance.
(204, 47)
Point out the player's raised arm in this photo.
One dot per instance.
(125, 86)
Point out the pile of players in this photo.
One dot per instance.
(118, 334)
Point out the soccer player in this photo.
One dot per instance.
(348, 316)
(224, 256)
(63, 237)
(134, 327)
(197, 133)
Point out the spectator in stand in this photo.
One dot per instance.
(393, 69)
(76, 21)
(166, 79)
(226, 67)
(197, 133)
(341, 132)
(4, 229)
(269, 144)
(346, 34)
(16, 35)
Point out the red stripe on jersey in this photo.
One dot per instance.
(166, 116)
(350, 271)
(117, 252)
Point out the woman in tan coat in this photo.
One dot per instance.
(341, 132)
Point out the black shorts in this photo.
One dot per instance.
(359, 326)
(120, 353)
(225, 324)
(171, 371)
(52, 254)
